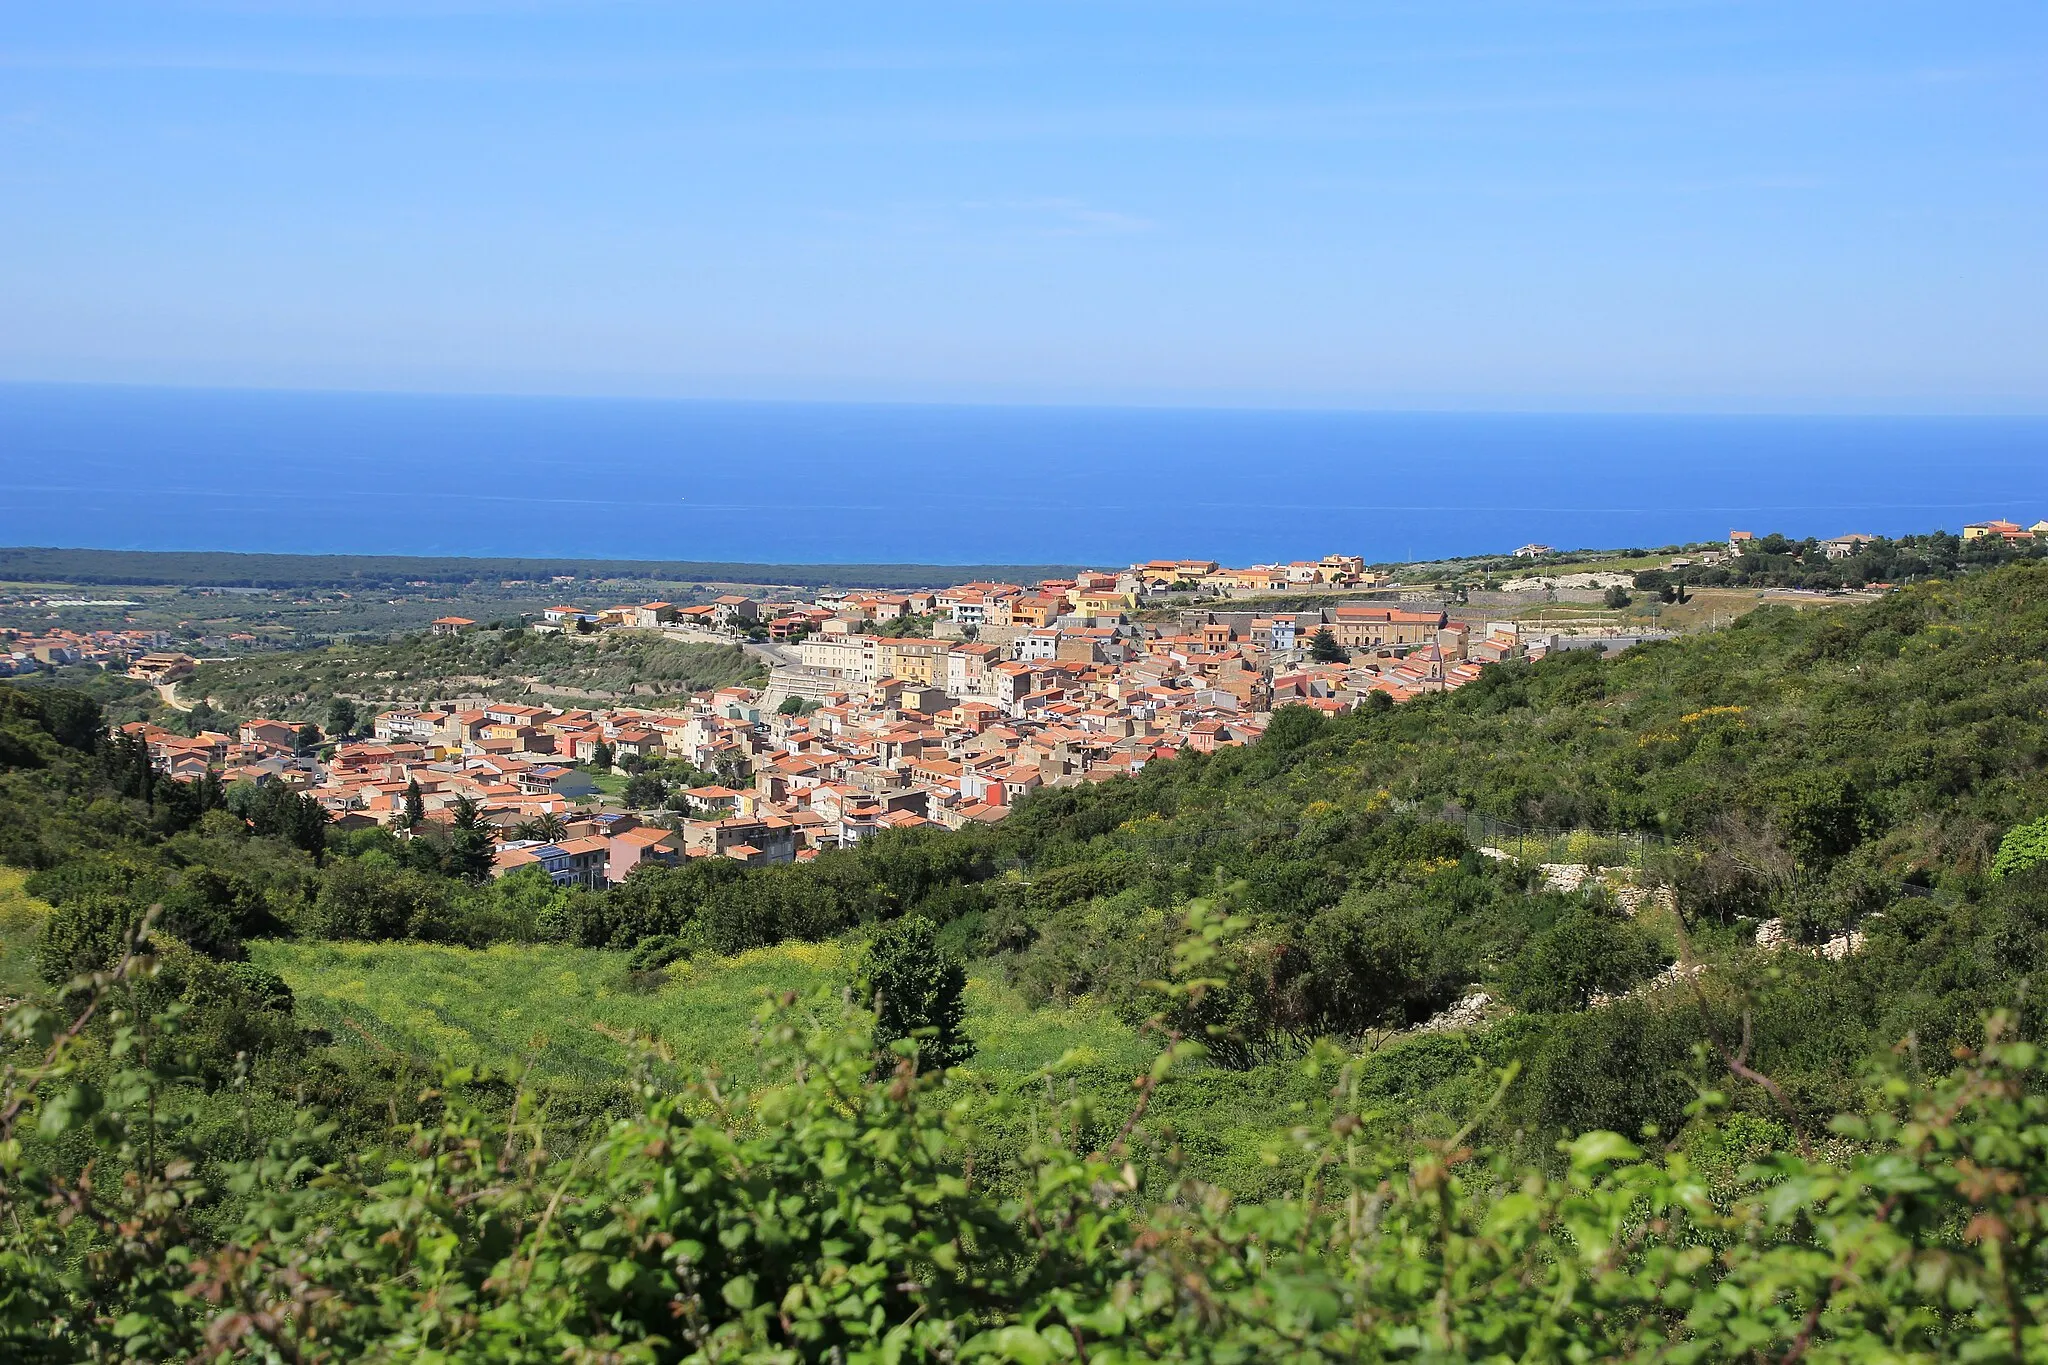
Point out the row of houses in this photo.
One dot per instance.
(1843, 546)
(1834, 547)
(968, 608)
(2010, 532)
(24, 651)
(260, 751)
(1017, 688)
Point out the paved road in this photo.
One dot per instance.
(775, 656)
(169, 692)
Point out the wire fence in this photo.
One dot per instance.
(1535, 844)
(1658, 858)
(1640, 849)
(1525, 843)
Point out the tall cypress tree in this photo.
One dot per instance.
(415, 806)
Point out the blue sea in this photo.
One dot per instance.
(164, 469)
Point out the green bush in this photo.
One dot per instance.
(917, 992)
(834, 1214)
(2023, 846)
(1589, 951)
(360, 899)
(86, 934)
(653, 953)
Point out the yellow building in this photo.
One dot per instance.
(1102, 603)
(913, 660)
(1258, 578)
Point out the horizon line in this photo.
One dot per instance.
(1275, 407)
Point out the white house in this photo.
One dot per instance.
(1036, 645)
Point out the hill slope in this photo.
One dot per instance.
(612, 668)
(1447, 1194)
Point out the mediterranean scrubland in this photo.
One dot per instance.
(1191, 1065)
(507, 665)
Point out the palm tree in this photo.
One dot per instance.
(470, 840)
(545, 828)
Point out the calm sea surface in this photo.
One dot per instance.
(337, 473)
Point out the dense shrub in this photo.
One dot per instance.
(86, 934)
(362, 899)
(1588, 951)
(836, 1215)
(2023, 847)
(916, 991)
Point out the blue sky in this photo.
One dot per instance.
(1545, 205)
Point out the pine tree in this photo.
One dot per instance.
(128, 767)
(1324, 649)
(300, 821)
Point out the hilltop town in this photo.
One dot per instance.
(882, 710)
(886, 710)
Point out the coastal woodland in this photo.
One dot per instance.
(1683, 1005)
(508, 665)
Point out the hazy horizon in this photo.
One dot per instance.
(1562, 408)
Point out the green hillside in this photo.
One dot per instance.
(21, 924)
(617, 667)
(217, 568)
(1656, 1139)
(572, 1012)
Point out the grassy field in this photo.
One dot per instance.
(570, 1012)
(1591, 564)
(610, 784)
(569, 1015)
(1703, 609)
(21, 922)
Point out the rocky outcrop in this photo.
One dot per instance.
(1772, 936)
(1620, 883)
(1466, 1013)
